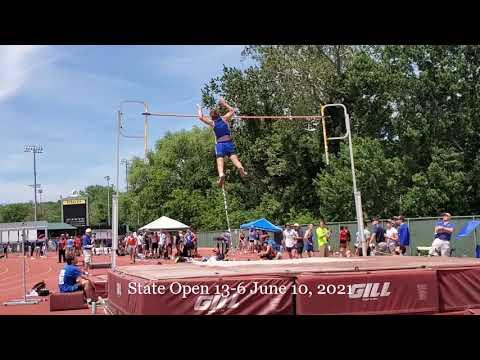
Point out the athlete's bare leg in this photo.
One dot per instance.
(221, 174)
(238, 165)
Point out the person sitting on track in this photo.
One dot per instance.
(72, 279)
(269, 251)
(224, 144)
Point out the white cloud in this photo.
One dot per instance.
(17, 64)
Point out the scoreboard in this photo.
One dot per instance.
(75, 211)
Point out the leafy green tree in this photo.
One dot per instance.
(15, 212)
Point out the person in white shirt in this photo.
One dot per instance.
(289, 239)
(391, 236)
(140, 243)
(358, 244)
(161, 244)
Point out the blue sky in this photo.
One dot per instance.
(65, 97)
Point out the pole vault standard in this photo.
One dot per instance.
(23, 301)
(356, 194)
(120, 123)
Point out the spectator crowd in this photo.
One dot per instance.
(296, 242)
(159, 245)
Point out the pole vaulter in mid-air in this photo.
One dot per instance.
(224, 145)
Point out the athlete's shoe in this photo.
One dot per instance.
(221, 181)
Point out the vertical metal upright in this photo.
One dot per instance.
(357, 195)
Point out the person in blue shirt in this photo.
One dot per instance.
(224, 145)
(443, 233)
(403, 235)
(70, 245)
(72, 279)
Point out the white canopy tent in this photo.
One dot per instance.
(165, 223)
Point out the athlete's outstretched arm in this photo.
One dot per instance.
(231, 110)
(204, 118)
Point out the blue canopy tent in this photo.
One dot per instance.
(466, 230)
(262, 224)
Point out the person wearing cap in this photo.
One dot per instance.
(377, 239)
(403, 234)
(443, 233)
(87, 248)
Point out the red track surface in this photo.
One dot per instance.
(47, 269)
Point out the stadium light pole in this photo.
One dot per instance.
(35, 149)
(40, 192)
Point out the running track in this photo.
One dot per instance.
(47, 269)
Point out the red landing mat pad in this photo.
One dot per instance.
(459, 289)
(383, 292)
(239, 300)
(100, 285)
